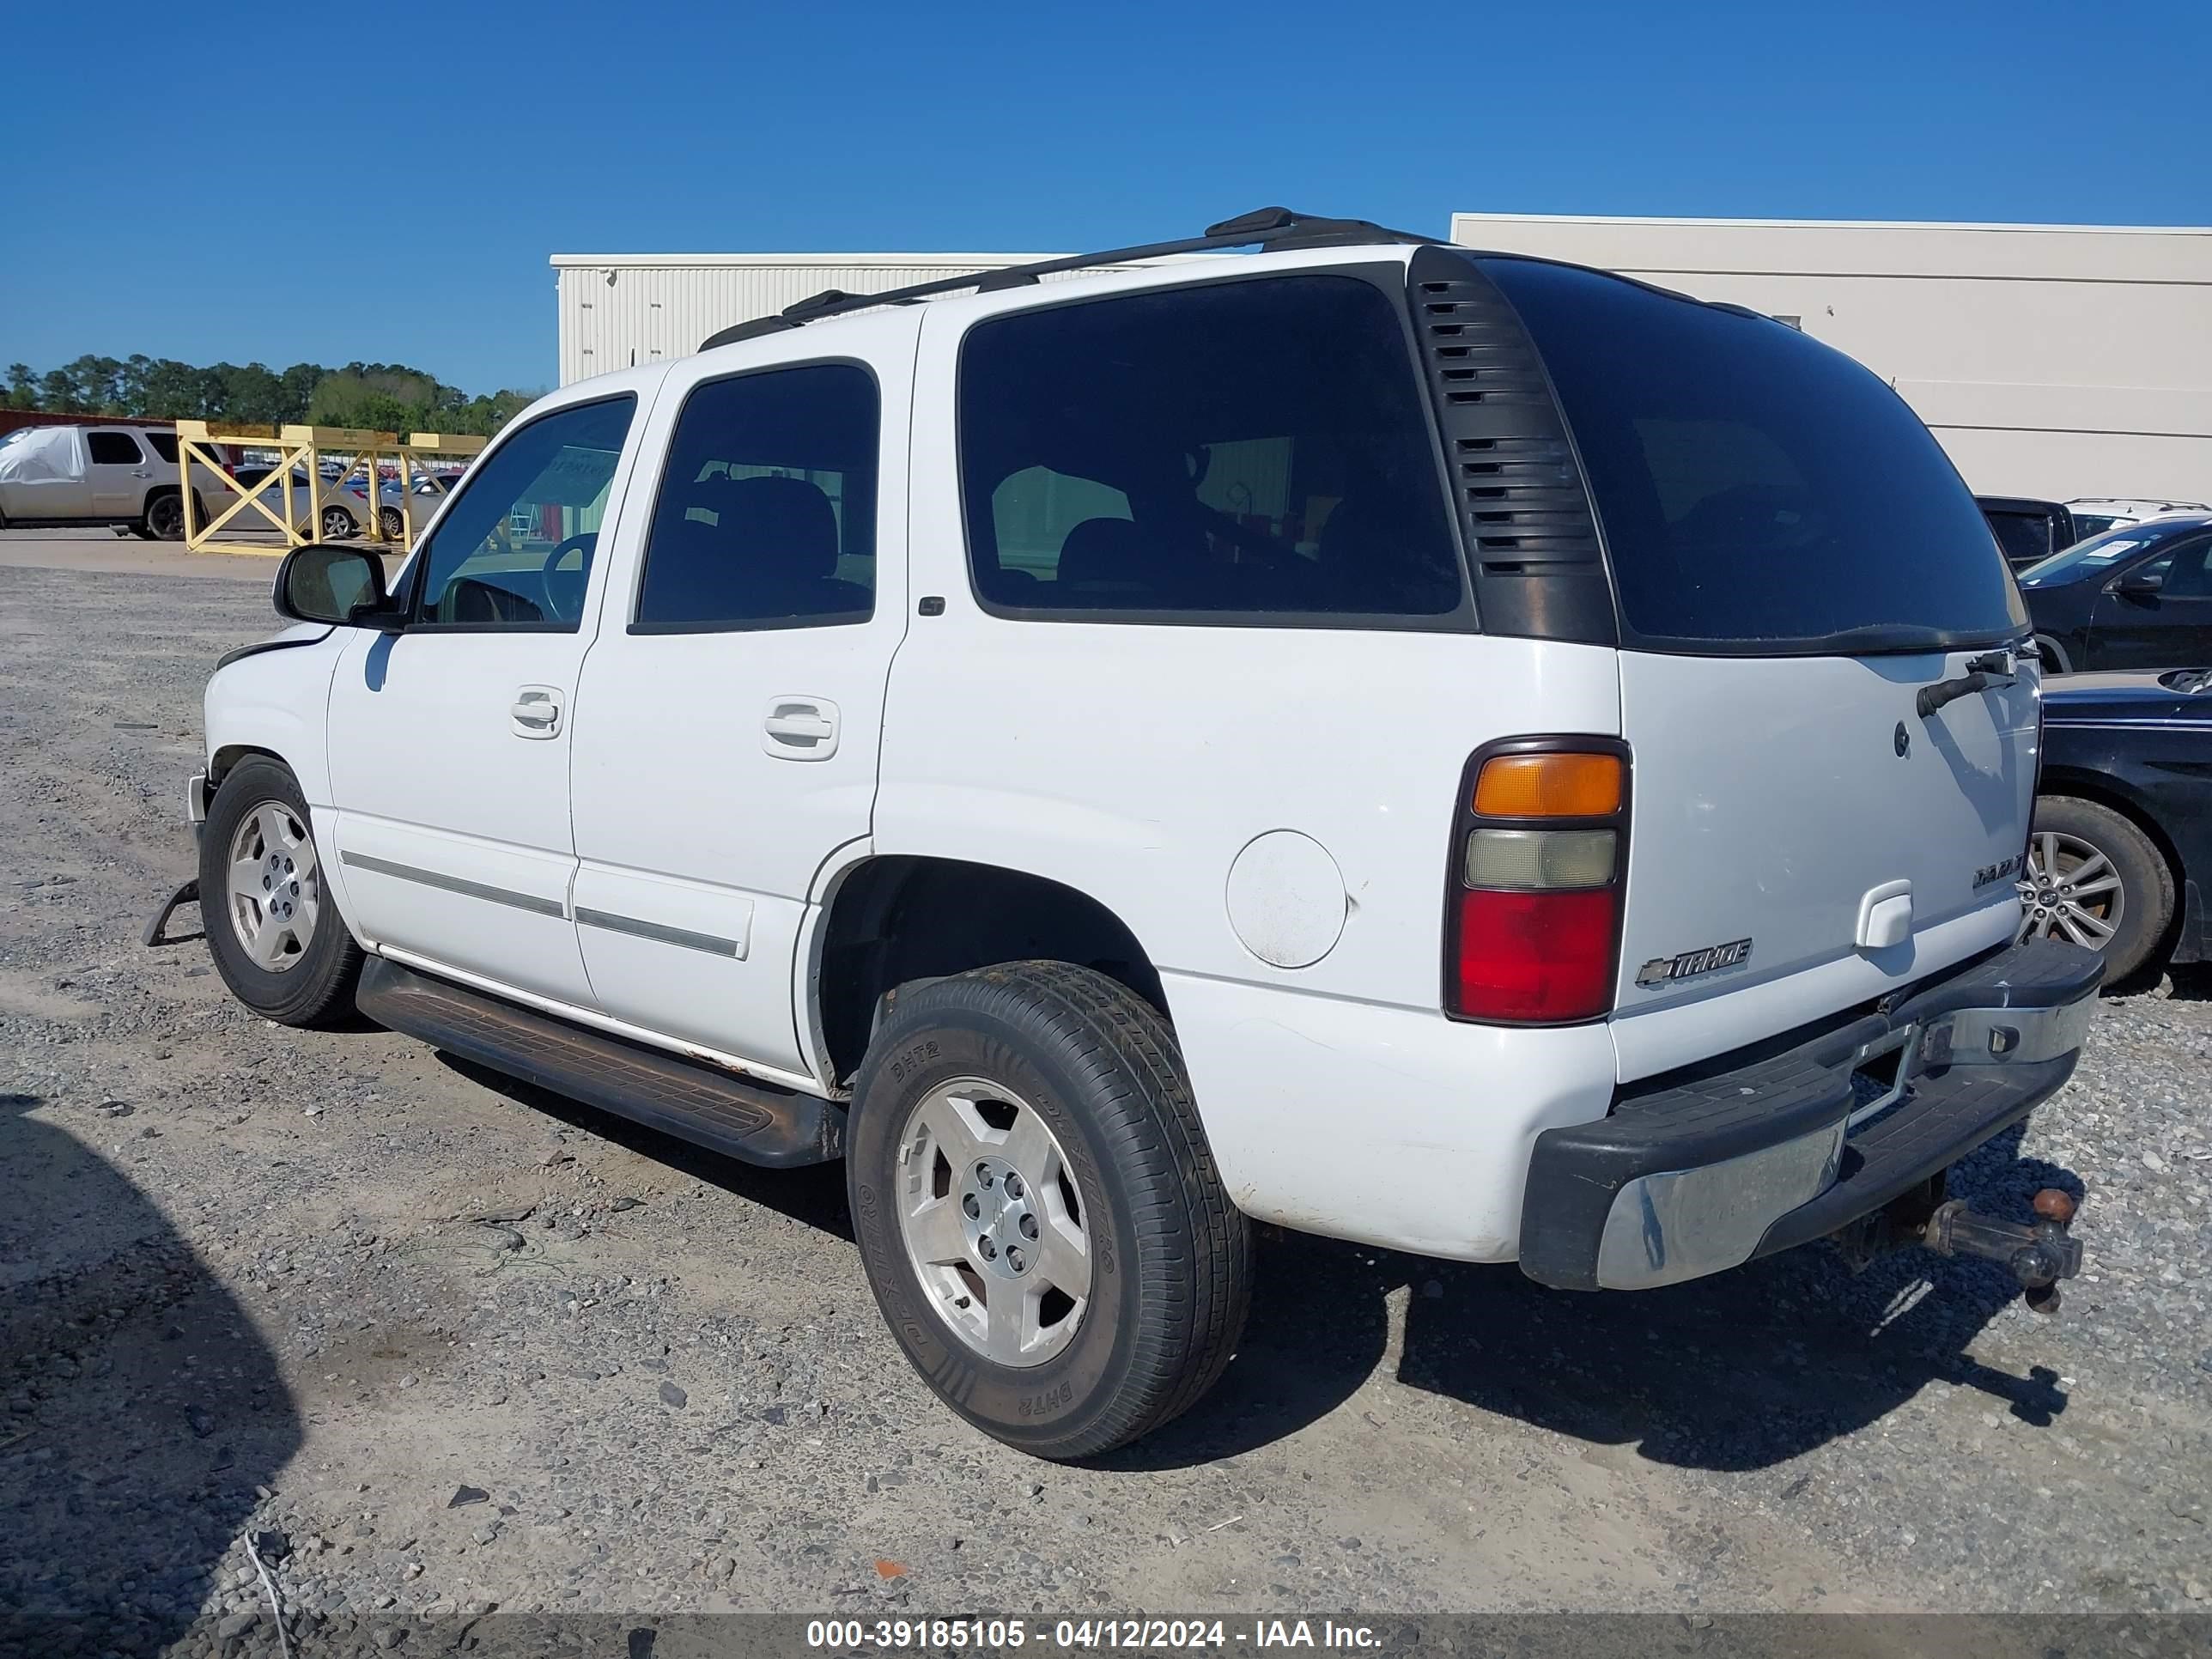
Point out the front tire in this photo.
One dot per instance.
(271, 924)
(2095, 878)
(1039, 1214)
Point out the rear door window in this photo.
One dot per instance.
(1759, 492)
(766, 512)
(112, 449)
(165, 446)
(1254, 449)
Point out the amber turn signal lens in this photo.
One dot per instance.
(1549, 787)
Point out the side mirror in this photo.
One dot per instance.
(2140, 580)
(323, 584)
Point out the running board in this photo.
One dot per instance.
(741, 1117)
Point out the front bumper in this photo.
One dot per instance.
(1706, 1173)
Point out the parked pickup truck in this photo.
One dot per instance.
(1410, 743)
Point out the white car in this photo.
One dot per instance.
(61, 476)
(2094, 515)
(1405, 744)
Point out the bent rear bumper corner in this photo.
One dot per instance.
(1709, 1171)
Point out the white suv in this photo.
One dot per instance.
(1411, 745)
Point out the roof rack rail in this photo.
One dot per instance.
(1272, 227)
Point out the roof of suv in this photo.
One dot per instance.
(1283, 239)
(1272, 228)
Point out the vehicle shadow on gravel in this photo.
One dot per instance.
(143, 1407)
(1738, 1371)
(1746, 1369)
(813, 1194)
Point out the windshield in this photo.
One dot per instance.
(2086, 558)
(1758, 493)
(2086, 524)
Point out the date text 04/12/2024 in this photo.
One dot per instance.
(895, 1635)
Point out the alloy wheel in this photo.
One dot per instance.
(995, 1227)
(2071, 891)
(275, 889)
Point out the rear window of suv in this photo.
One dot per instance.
(1758, 492)
(1243, 450)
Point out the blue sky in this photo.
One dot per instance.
(387, 183)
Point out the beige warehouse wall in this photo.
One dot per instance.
(620, 309)
(2057, 362)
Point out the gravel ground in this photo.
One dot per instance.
(441, 1344)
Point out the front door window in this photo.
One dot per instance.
(515, 549)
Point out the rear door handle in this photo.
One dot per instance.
(536, 712)
(801, 728)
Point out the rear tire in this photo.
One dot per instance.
(395, 527)
(1165, 1258)
(266, 885)
(338, 525)
(2078, 849)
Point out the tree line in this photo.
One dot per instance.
(382, 397)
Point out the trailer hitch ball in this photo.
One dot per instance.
(2037, 1256)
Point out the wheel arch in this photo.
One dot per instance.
(272, 699)
(2102, 789)
(222, 760)
(891, 919)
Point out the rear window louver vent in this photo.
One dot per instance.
(1519, 491)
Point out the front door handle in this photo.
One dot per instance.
(536, 712)
(801, 728)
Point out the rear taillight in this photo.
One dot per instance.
(1539, 855)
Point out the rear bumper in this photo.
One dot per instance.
(1706, 1173)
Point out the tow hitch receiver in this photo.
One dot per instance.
(2038, 1255)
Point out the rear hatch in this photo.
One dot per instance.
(1794, 560)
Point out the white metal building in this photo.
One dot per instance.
(2050, 361)
(2054, 361)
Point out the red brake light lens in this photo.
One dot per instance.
(1538, 956)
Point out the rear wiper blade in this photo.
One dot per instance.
(1991, 668)
(1887, 638)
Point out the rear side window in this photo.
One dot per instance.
(1243, 449)
(767, 513)
(1758, 490)
(2025, 537)
(112, 448)
(164, 445)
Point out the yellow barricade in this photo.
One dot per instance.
(285, 511)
